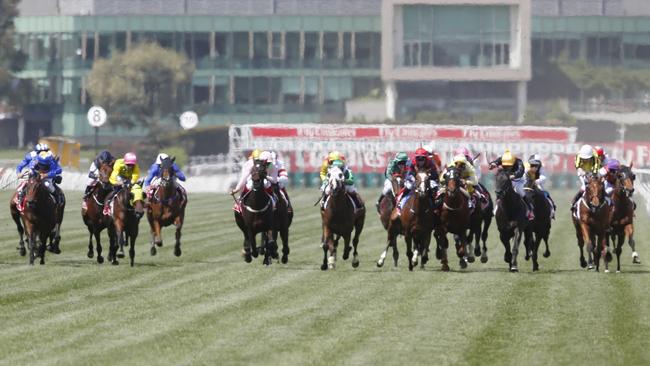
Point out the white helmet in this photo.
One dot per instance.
(586, 152)
(41, 147)
(274, 156)
(161, 157)
(265, 156)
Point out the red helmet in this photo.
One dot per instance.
(421, 152)
(599, 151)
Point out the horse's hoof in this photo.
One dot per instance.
(527, 257)
(606, 270)
(331, 266)
(177, 251)
(425, 259)
(323, 267)
(462, 263)
(153, 250)
(618, 271)
(547, 254)
(115, 262)
(248, 258)
(23, 252)
(591, 266)
(535, 267)
(100, 259)
(53, 249)
(120, 254)
(90, 254)
(355, 263)
(346, 256)
(583, 263)
(380, 264)
(285, 259)
(507, 257)
(445, 267)
(514, 269)
(255, 252)
(636, 260)
(484, 259)
(471, 259)
(159, 243)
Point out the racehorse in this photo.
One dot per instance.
(388, 203)
(91, 210)
(541, 226)
(623, 214)
(38, 218)
(166, 207)
(123, 223)
(511, 218)
(415, 222)
(257, 217)
(592, 220)
(479, 224)
(454, 218)
(281, 221)
(339, 219)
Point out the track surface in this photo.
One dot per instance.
(209, 307)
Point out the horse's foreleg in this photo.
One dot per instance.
(131, 240)
(620, 240)
(15, 215)
(178, 223)
(326, 242)
(484, 236)
(505, 240)
(441, 249)
(409, 249)
(629, 232)
(515, 250)
(536, 242)
(90, 253)
(358, 228)
(112, 245)
(42, 246)
(100, 259)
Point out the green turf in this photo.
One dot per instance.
(209, 307)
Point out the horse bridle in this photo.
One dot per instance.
(590, 206)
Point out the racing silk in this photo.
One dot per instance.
(154, 171)
(539, 176)
(393, 169)
(276, 172)
(468, 174)
(517, 169)
(429, 167)
(53, 171)
(26, 162)
(584, 166)
(347, 176)
(245, 173)
(121, 170)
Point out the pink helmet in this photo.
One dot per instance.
(130, 158)
(462, 151)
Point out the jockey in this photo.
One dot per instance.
(45, 164)
(245, 183)
(423, 161)
(331, 157)
(515, 169)
(474, 162)
(601, 156)
(468, 178)
(125, 170)
(246, 170)
(535, 171)
(30, 156)
(104, 157)
(348, 181)
(397, 167)
(586, 163)
(277, 174)
(153, 176)
(610, 174)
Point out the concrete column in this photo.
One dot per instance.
(521, 100)
(21, 132)
(391, 99)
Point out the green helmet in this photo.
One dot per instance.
(402, 156)
(338, 163)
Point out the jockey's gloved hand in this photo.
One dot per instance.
(92, 175)
(232, 192)
(512, 176)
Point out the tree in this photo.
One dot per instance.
(142, 86)
(11, 60)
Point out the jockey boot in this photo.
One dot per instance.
(575, 200)
(87, 192)
(530, 214)
(379, 201)
(286, 198)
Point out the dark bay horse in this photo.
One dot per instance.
(479, 225)
(38, 217)
(541, 226)
(339, 219)
(511, 220)
(623, 215)
(91, 210)
(591, 221)
(282, 221)
(257, 217)
(388, 203)
(415, 223)
(166, 207)
(124, 221)
(455, 219)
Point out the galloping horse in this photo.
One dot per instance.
(166, 207)
(339, 219)
(415, 223)
(91, 211)
(124, 221)
(511, 220)
(623, 214)
(38, 217)
(388, 203)
(281, 222)
(479, 225)
(257, 217)
(454, 218)
(591, 221)
(541, 226)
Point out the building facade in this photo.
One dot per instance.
(296, 61)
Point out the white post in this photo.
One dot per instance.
(521, 101)
(391, 99)
(21, 132)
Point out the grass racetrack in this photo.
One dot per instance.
(209, 307)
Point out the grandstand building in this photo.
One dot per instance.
(297, 61)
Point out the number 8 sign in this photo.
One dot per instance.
(96, 116)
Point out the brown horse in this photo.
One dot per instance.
(511, 220)
(39, 218)
(416, 224)
(623, 215)
(479, 225)
(257, 217)
(166, 207)
(91, 211)
(541, 226)
(123, 223)
(591, 221)
(339, 219)
(388, 203)
(455, 219)
(281, 221)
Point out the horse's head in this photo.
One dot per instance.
(594, 192)
(258, 174)
(336, 179)
(33, 188)
(397, 183)
(452, 180)
(166, 171)
(422, 184)
(627, 178)
(503, 183)
(105, 170)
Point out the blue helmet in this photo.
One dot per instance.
(45, 159)
(41, 147)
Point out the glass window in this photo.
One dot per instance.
(105, 45)
(311, 48)
(242, 91)
(277, 51)
(260, 49)
(362, 48)
(292, 42)
(201, 46)
(311, 90)
(290, 90)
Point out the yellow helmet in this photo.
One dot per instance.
(460, 158)
(334, 155)
(508, 158)
(255, 154)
